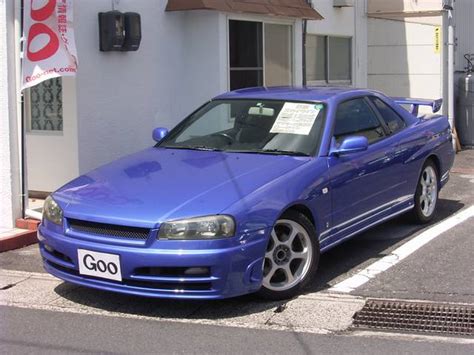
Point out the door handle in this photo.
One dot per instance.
(389, 156)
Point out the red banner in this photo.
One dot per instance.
(50, 49)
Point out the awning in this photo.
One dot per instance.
(285, 8)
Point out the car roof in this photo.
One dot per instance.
(309, 93)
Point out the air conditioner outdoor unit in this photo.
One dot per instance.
(343, 3)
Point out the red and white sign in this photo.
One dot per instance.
(49, 49)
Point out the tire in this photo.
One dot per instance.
(290, 264)
(426, 195)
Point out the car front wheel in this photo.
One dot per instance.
(291, 258)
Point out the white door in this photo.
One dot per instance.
(51, 134)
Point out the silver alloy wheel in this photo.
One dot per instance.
(429, 191)
(288, 257)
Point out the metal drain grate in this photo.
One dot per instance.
(416, 317)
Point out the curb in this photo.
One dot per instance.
(27, 223)
(17, 241)
(22, 238)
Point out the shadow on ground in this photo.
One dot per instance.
(377, 242)
(335, 265)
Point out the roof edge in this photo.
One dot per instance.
(299, 9)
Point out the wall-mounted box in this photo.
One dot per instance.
(133, 31)
(119, 31)
(111, 31)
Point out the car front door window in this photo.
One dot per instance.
(356, 118)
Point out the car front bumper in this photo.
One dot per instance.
(232, 270)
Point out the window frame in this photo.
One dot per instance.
(367, 101)
(263, 21)
(377, 111)
(327, 81)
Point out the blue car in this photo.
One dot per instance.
(246, 193)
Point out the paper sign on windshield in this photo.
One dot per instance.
(296, 118)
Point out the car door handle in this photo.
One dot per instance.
(389, 156)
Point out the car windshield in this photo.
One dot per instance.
(251, 126)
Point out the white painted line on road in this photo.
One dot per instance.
(401, 252)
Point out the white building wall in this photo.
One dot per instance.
(203, 72)
(121, 97)
(10, 199)
(402, 60)
(360, 44)
(345, 22)
(337, 20)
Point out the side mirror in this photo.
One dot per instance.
(159, 133)
(352, 144)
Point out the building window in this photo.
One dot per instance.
(260, 54)
(45, 106)
(328, 60)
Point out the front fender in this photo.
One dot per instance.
(301, 186)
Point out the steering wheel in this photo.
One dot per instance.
(225, 135)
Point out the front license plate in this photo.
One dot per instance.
(106, 266)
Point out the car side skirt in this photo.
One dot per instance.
(335, 242)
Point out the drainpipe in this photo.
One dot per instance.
(20, 105)
(448, 7)
(305, 31)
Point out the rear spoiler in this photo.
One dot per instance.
(416, 103)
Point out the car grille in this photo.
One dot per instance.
(108, 230)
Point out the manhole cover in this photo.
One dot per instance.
(416, 317)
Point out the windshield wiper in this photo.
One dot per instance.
(284, 152)
(203, 147)
(193, 147)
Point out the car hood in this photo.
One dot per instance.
(155, 185)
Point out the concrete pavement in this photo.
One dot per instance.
(41, 291)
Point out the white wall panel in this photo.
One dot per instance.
(409, 60)
(422, 86)
(402, 60)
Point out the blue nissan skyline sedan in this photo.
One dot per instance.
(246, 193)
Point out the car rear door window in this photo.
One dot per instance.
(394, 122)
(356, 118)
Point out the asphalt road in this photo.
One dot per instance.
(43, 315)
(44, 332)
(441, 271)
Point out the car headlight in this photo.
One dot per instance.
(210, 227)
(51, 211)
